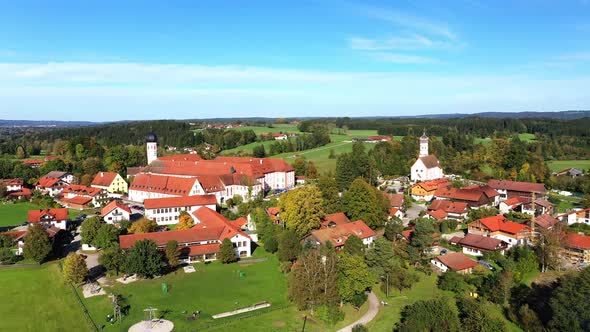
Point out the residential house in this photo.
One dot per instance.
(300, 179)
(334, 219)
(576, 216)
(396, 200)
(542, 206)
(274, 214)
(166, 211)
(338, 234)
(545, 221)
(576, 248)
(63, 176)
(477, 245)
(474, 196)
(453, 210)
(508, 188)
(378, 138)
(115, 212)
(35, 163)
(395, 212)
(512, 204)
(454, 261)
(12, 184)
(50, 186)
(424, 191)
(18, 236)
(111, 182)
(201, 242)
(501, 228)
(573, 172)
(437, 215)
(49, 217)
(81, 197)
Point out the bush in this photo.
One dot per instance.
(358, 299)
(360, 328)
(329, 314)
(271, 245)
(6, 256)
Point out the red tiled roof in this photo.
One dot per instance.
(12, 182)
(163, 184)
(113, 205)
(33, 161)
(407, 234)
(500, 223)
(438, 214)
(81, 190)
(393, 211)
(573, 240)
(337, 218)
(273, 211)
(47, 182)
(26, 192)
(546, 221)
(104, 179)
(198, 200)
(396, 200)
(340, 233)
(53, 214)
(201, 249)
(433, 184)
(517, 186)
(212, 219)
(448, 206)
(182, 157)
(240, 222)
(379, 138)
(457, 261)
(479, 242)
(78, 200)
(515, 201)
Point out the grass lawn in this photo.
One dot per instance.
(559, 165)
(36, 299)
(527, 137)
(276, 128)
(14, 214)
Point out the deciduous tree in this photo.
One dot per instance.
(74, 268)
(439, 314)
(89, 230)
(364, 202)
(330, 196)
(172, 253)
(289, 246)
(144, 259)
(227, 253)
(113, 259)
(185, 221)
(37, 244)
(143, 225)
(314, 279)
(354, 245)
(302, 209)
(354, 276)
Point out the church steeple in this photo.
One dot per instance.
(423, 145)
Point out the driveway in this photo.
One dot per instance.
(413, 212)
(367, 317)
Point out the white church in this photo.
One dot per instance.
(427, 167)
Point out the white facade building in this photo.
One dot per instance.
(427, 167)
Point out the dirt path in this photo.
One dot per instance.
(368, 316)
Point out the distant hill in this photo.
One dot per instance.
(564, 115)
(47, 124)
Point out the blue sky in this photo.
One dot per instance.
(115, 60)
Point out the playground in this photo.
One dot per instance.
(190, 300)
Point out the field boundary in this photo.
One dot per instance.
(8, 266)
(89, 320)
(231, 320)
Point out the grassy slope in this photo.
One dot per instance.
(36, 299)
(14, 214)
(559, 165)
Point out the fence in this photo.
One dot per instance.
(232, 320)
(89, 320)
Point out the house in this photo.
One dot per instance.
(50, 186)
(454, 261)
(54, 217)
(576, 248)
(149, 186)
(476, 245)
(474, 196)
(424, 191)
(300, 179)
(20, 194)
(76, 196)
(499, 227)
(576, 216)
(437, 215)
(377, 139)
(512, 204)
(35, 163)
(201, 242)
(395, 212)
(115, 212)
(63, 176)
(111, 182)
(573, 172)
(338, 234)
(396, 200)
(18, 236)
(426, 167)
(334, 219)
(166, 211)
(274, 214)
(453, 210)
(546, 221)
(508, 188)
(12, 184)
(525, 205)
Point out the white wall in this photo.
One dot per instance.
(116, 215)
(171, 215)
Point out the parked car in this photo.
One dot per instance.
(443, 252)
(487, 265)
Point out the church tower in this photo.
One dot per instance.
(152, 147)
(423, 145)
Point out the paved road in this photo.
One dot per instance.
(413, 212)
(367, 317)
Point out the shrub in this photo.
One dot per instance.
(329, 314)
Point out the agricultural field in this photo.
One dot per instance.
(559, 165)
(39, 301)
(523, 137)
(15, 214)
(276, 128)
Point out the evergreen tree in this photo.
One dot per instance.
(172, 253)
(74, 268)
(227, 253)
(394, 229)
(422, 239)
(37, 244)
(289, 246)
(354, 245)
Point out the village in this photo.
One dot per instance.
(180, 213)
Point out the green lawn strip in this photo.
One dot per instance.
(527, 137)
(559, 165)
(213, 289)
(15, 214)
(36, 299)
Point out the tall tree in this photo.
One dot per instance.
(439, 314)
(421, 239)
(172, 253)
(107, 235)
(143, 225)
(74, 268)
(363, 201)
(313, 280)
(330, 196)
(289, 246)
(354, 245)
(394, 229)
(226, 252)
(89, 229)
(353, 276)
(144, 259)
(569, 303)
(302, 209)
(37, 244)
(475, 318)
(112, 259)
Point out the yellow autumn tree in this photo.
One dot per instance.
(143, 225)
(302, 209)
(185, 222)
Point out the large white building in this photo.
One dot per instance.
(224, 177)
(427, 167)
(166, 211)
